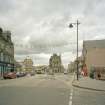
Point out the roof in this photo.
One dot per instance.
(94, 43)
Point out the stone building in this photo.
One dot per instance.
(55, 64)
(71, 67)
(27, 65)
(6, 52)
(41, 69)
(18, 66)
(94, 54)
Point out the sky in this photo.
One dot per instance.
(41, 27)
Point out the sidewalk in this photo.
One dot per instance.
(88, 83)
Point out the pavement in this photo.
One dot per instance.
(88, 83)
(87, 97)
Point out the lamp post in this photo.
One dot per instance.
(71, 26)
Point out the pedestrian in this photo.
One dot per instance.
(82, 73)
(85, 70)
(99, 76)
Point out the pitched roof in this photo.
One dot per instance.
(94, 43)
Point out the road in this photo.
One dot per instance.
(36, 90)
(47, 90)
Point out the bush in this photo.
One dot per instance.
(92, 71)
(91, 75)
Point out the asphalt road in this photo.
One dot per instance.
(47, 90)
(38, 90)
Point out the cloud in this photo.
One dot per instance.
(40, 27)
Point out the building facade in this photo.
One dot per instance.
(55, 64)
(6, 52)
(18, 66)
(41, 69)
(72, 67)
(94, 54)
(27, 65)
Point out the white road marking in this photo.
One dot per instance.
(70, 102)
(71, 97)
(71, 94)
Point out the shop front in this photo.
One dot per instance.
(5, 68)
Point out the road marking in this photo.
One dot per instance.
(71, 94)
(71, 97)
(70, 102)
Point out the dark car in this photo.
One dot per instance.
(32, 73)
(10, 75)
(65, 72)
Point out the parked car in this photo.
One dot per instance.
(20, 74)
(65, 72)
(10, 75)
(38, 72)
(32, 73)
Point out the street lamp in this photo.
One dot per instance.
(71, 26)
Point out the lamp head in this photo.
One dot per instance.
(71, 26)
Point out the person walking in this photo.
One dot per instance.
(99, 76)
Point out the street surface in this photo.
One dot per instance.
(47, 90)
(36, 90)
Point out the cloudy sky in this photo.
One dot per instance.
(40, 27)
